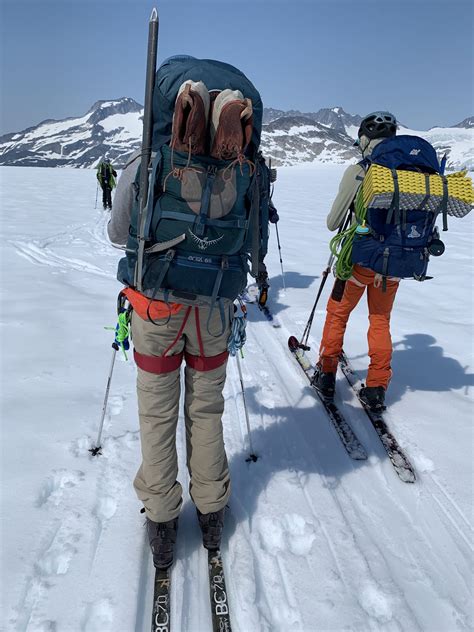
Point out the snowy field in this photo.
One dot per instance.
(314, 541)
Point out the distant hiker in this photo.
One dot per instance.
(106, 175)
(396, 193)
(207, 217)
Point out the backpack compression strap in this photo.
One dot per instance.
(143, 222)
(254, 222)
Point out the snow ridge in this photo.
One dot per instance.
(113, 128)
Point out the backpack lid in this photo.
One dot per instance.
(406, 151)
(216, 75)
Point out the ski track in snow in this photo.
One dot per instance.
(85, 238)
(313, 541)
(71, 525)
(375, 602)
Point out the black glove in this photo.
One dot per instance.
(262, 284)
(272, 213)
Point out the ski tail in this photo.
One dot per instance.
(403, 467)
(218, 593)
(161, 615)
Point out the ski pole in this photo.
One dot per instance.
(96, 450)
(252, 456)
(121, 341)
(273, 177)
(153, 26)
(281, 260)
(96, 194)
(304, 339)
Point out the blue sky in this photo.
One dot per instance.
(413, 57)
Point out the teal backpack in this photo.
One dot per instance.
(206, 219)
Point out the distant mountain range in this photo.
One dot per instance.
(113, 129)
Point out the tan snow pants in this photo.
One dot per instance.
(159, 350)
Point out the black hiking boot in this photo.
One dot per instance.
(212, 525)
(325, 383)
(373, 397)
(162, 537)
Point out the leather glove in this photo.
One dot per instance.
(272, 213)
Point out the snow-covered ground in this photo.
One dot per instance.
(314, 541)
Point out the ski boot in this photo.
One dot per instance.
(231, 125)
(325, 383)
(212, 525)
(373, 397)
(162, 537)
(190, 118)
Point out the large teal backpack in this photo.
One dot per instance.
(206, 219)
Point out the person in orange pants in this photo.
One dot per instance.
(380, 343)
(346, 294)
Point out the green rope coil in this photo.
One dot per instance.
(122, 331)
(341, 244)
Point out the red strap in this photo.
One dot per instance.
(198, 331)
(202, 363)
(158, 364)
(178, 336)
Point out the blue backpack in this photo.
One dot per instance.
(202, 231)
(400, 237)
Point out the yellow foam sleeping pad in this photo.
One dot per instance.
(377, 192)
(418, 190)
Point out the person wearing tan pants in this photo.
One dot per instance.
(159, 351)
(197, 335)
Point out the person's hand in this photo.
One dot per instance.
(272, 213)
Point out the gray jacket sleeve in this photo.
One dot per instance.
(117, 228)
(350, 183)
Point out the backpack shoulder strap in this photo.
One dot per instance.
(255, 222)
(365, 163)
(259, 214)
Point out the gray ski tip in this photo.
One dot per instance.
(154, 15)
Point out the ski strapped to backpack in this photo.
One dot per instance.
(396, 208)
(205, 223)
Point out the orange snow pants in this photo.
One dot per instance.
(380, 307)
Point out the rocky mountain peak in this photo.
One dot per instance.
(468, 123)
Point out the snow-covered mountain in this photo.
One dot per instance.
(294, 139)
(336, 118)
(113, 128)
(467, 123)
